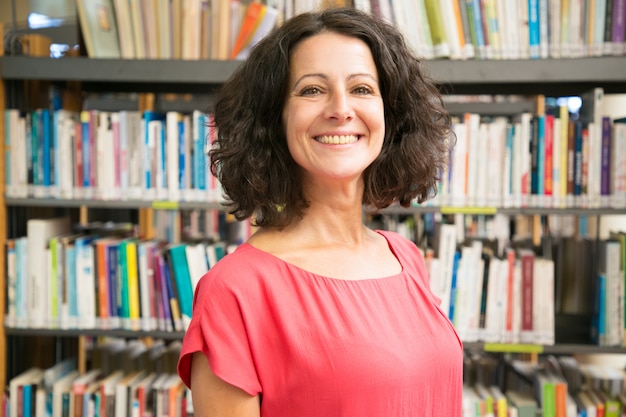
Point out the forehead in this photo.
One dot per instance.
(326, 49)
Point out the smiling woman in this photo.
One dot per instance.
(317, 315)
(336, 105)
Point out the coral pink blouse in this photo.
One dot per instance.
(315, 346)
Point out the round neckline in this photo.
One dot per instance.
(325, 277)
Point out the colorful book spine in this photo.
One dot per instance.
(533, 29)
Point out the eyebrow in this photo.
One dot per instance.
(325, 77)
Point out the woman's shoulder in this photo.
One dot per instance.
(398, 241)
(241, 268)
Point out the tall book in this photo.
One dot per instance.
(99, 28)
(38, 232)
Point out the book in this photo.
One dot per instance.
(524, 402)
(38, 232)
(176, 256)
(99, 28)
(16, 384)
(125, 31)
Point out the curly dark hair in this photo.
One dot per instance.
(259, 177)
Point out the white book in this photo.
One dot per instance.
(493, 311)
(524, 46)
(496, 174)
(146, 291)
(472, 121)
(38, 232)
(618, 166)
(483, 160)
(196, 262)
(523, 197)
(543, 282)
(173, 131)
(106, 153)
(554, 28)
(86, 282)
(186, 192)
(66, 160)
(131, 134)
(451, 27)
(11, 123)
(122, 405)
(445, 253)
(459, 166)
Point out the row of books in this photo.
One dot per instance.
(456, 29)
(174, 29)
(104, 155)
(102, 281)
(62, 391)
(507, 29)
(550, 387)
(513, 295)
(532, 160)
(546, 159)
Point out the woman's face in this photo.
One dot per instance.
(334, 115)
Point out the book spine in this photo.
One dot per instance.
(605, 162)
(618, 32)
(533, 29)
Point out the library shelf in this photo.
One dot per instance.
(530, 76)
(121, 333)
(114, 204)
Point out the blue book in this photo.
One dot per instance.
(27, 398)
(86, 132)
(177, 260)
(534, 35)
(578, 158)
(182, 162)
(54, 160)
(36, 148)
(114, 295)
(541, 154)
(199, 150)
(455, 268)
(72, 297)
(47, 151)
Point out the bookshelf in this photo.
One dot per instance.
(545, 76)
(548, 76)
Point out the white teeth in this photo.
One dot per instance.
(337, 139)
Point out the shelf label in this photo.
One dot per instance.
(468, 210)
(513, 348)
(165, 205)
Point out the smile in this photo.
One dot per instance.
(337, 139)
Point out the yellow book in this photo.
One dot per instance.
(133, 284)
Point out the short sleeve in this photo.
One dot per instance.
(218, 330)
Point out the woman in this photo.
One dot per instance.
(317, 315)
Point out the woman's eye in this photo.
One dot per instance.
(310, 91)
(362, 90)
